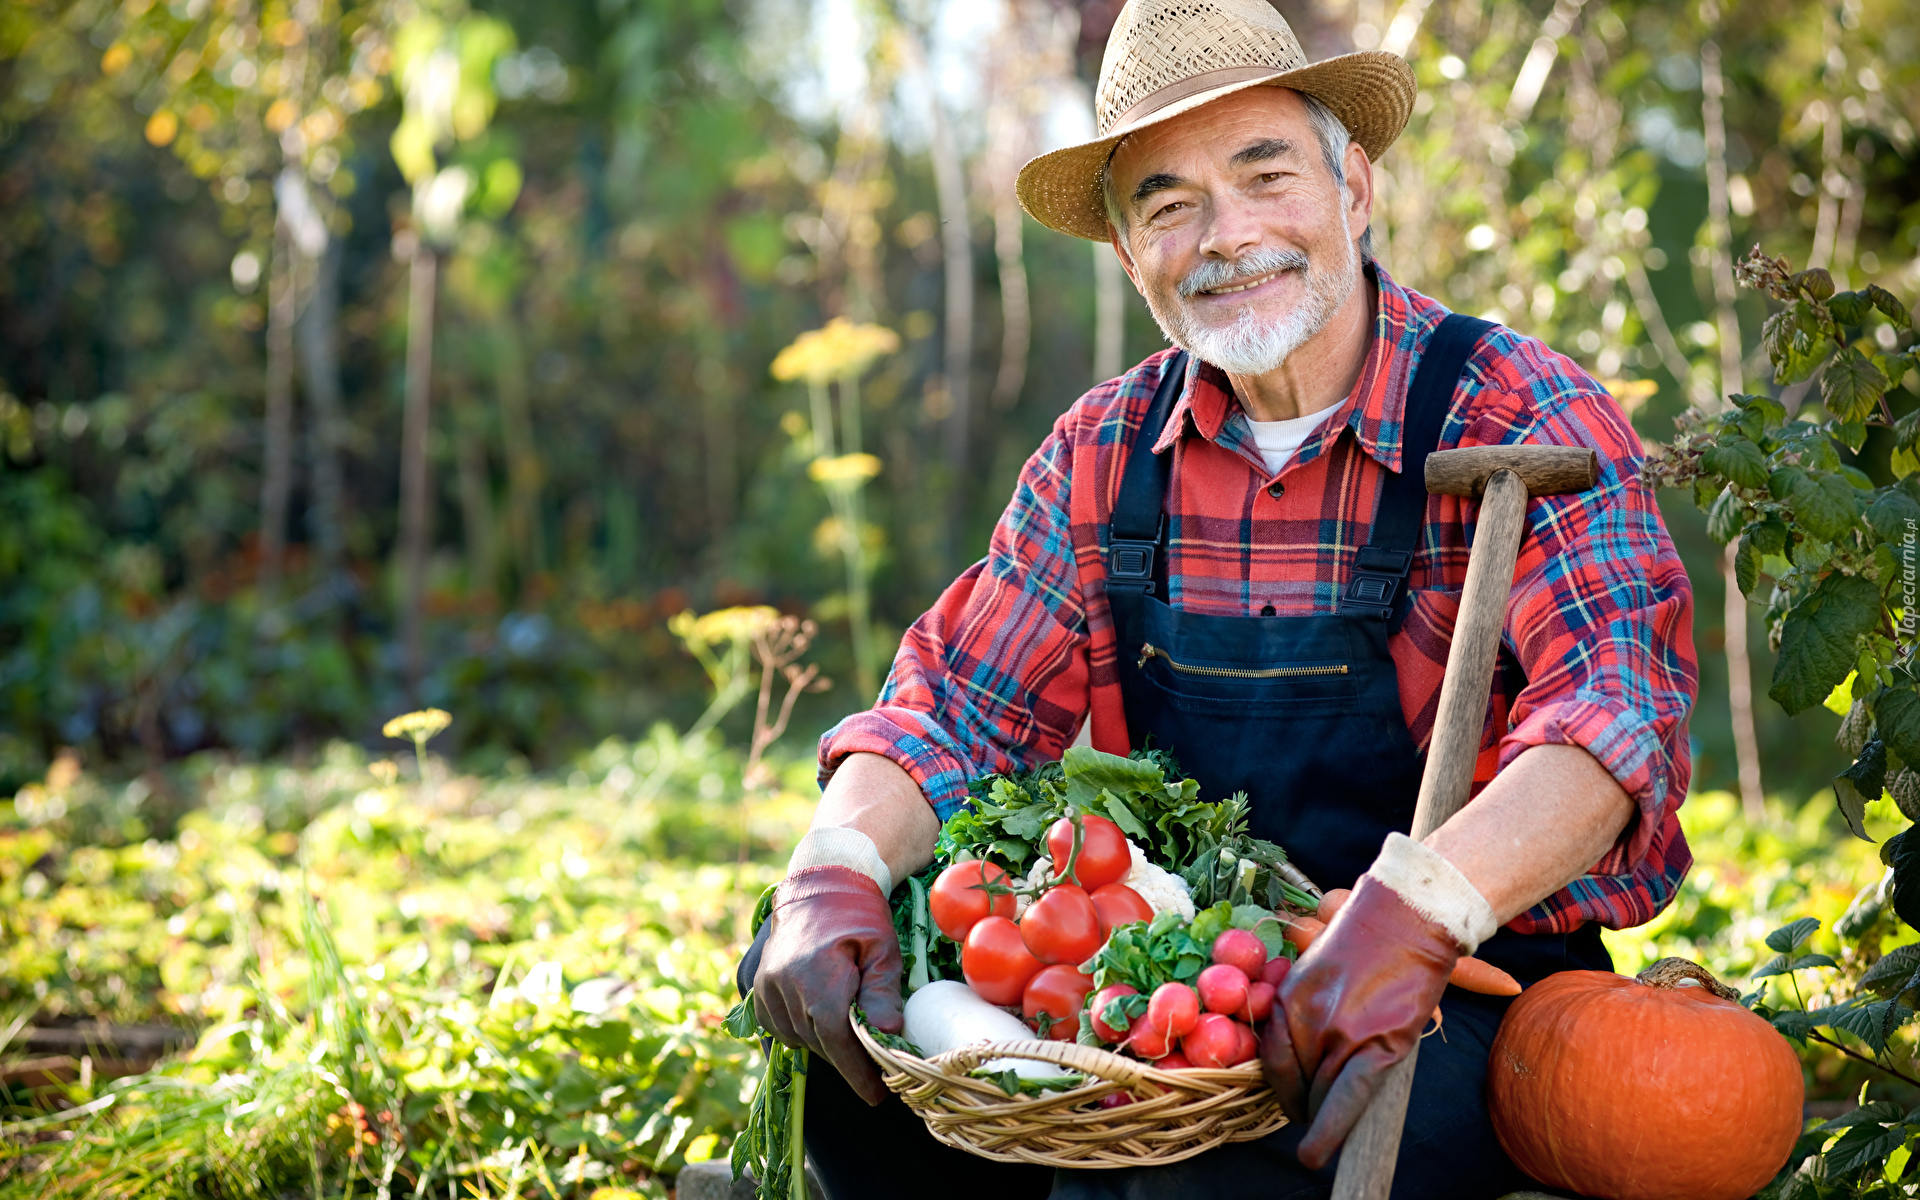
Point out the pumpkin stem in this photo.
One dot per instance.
(1679, 972)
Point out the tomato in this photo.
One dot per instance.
(1239, 948)
(1104, 857)
(1119, 904)
(1059, 991)
(1223, 989)
(959, 897)
(1173, 1009)
(1212, 1041)
(996, 961)
(1259, 1003)
(1063, 926)
(1101, 999)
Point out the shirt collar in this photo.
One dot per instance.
(1372, 410)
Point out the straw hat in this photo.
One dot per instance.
(1167, 57)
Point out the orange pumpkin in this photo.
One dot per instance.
(1656, 1088)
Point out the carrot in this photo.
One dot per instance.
(1302, 930)
(1331, 902)
(1483, 977)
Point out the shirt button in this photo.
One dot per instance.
(1267, 611)
(1276, 489)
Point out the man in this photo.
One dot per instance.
(1231, 551)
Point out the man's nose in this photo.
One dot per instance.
(1231, 230)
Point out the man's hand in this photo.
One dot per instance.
(832, 940)
(1353, 1006)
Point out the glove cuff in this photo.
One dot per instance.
(836, 846)
(810, 882)
(1435, 888)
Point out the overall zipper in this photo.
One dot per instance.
(1152, 651)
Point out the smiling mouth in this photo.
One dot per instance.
(1247, 286)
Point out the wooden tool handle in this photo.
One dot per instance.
(1367, 1160)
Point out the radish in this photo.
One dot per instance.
(1276, 971)
(1116, 1100)
(1259, 1004)
(1239, 948)
(1173, 1010)
(1213, 1042)
(1148, 1042)
(947, 1014)
(1174, 1061)
(1248, 1047)
(1223, 989)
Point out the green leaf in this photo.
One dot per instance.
(1889, 305)
(1818, 642)
(1739, 460)
(1777, 965)
(1807, 962)
(1784, 939)
(1746, 565)
(1852, 435)
(1769, 536)
(1863, 914)
(1873, 1112)
(1125, 818)
(1850, 308)
(1823, 504)
(1870, 1021)
(1893, 366)
(1804, 358)
(1851, 386)
(1862, 1146)
(1893, 974)
(1868, 774)
(1726, 516)
(741, 1022)
(1902, 853)
(1852, 804)
(1776, 337)
(1896, 717)
(1906, 431)
(1893, 516)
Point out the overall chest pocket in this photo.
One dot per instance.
(1188, 679)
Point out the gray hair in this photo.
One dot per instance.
(1328, 129)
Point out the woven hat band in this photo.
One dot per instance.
(1192, 85)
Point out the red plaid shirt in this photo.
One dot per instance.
(1020, 650)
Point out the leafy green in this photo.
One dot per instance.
(1015, 1084)
(1145, 955)
(1820, 641)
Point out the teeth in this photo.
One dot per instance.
(1227, 291)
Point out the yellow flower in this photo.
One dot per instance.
(846, 471)
(840, 349)
(724, 625)
(419, 726)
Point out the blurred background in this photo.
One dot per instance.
(360, 356)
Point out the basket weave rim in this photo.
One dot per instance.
(1371, 91)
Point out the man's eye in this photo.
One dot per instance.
(1166, 209)
(1271, 176)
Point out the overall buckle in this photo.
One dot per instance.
(1377, 578)
(1131, 561)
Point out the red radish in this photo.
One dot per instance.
(1062, 926)
(1249, 1045)
(1116, 1100)
(1239, 948)
(1059, 991)
(1212, 1042)
(1275, 972)
(1101, 999)
(1147, 1042)
(1119, 904)
(1173, 1010)
(1174, 1061)
(1259, 1004)
(1223, 989)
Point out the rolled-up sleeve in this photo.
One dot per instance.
(994, 677)
(1601, 621)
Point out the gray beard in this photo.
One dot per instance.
(1252, 345)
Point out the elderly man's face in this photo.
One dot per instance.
(1237, 234)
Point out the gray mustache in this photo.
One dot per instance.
(1218, 273)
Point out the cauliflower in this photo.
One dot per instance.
(1160, 888)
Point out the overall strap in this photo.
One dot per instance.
(1137, 530)
(1380, 572)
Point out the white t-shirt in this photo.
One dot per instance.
(1278, 440)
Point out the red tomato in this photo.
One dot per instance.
(1059, 991)
(1063, 926)
(1147, 1042)
(1104, 857)
(1119, 904)
(1275, 972)
(1173, 1009)
(1101, 999)
(959, 897)
(1259, 1004)
(996, 961)
(1212, 1042)
(1239, 948)
(1223, 989)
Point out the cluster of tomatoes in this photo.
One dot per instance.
(1034, 963)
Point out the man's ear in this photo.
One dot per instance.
(1119, 243)
(1359, 191)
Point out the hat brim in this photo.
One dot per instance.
(1370, 91)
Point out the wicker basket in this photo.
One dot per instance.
(1174, 1114)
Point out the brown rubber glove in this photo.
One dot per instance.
(1353, 1006)
(832, 940)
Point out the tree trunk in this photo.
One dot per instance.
(317, 332)
(957, 246)
(1016, 313)
(524, 470)
(414, 511)
(276, 477)
(1109, 314)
